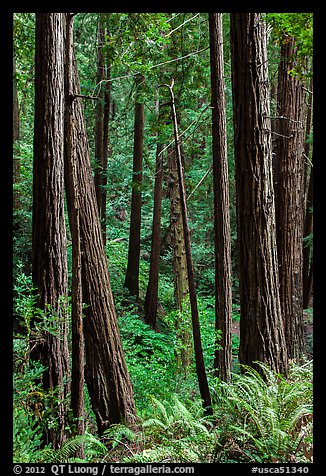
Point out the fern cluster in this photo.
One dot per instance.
(176, 432)
(265, 418)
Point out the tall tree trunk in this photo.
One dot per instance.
(49, 258)
(132, 274)
(308, 213)
(102, 113)
(261, 326)
(289, 211)
(106, 117)
(106, 373)
(307, 145)
(77, 338)
(99, 119)
(184, 352)
(151, 299)
(199, 357)
(307, 248)
(223, 285)
(179, 263)
(16, 138)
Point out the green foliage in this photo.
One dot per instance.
(265, 418)
(300, 27)
(255, 419)
(176, 431)
(147, 353)
(34, 408)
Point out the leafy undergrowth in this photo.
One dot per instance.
(257, 418)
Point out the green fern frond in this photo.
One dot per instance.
(118, 432)
(66, 453)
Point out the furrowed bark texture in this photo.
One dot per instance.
(77, 337)
(290, 205)
(106, 374)
(261, 326)
(223, 289)
(49, 233)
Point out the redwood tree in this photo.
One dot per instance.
(132, 273)
(77, 337)
(151, 298)
(290, 196)
(261, 325)
(49, 260)
(106, 372)
(102, 113)
(223, 290)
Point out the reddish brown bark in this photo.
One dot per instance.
(102, 113)
(106, 373)
(151, 299)
(77, 337)
(290, 203)
(132, 273)
(223, 289)
(49, 258)
(261, 326)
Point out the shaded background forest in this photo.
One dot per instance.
(137, 53)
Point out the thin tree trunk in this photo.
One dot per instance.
(106, 373)
(307, 146)
(151, 299)
(289, 212)
(307, 253)
(199, 357)
(49, 233)
(223, 285)
(106, 118)
(308, 213)
(132, 273)
(77, 339)
(102, 126)
(261, 326)
(99, 119)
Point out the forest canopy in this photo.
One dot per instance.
(163, 237)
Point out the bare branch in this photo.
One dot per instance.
(179, 26)
(200, 181)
